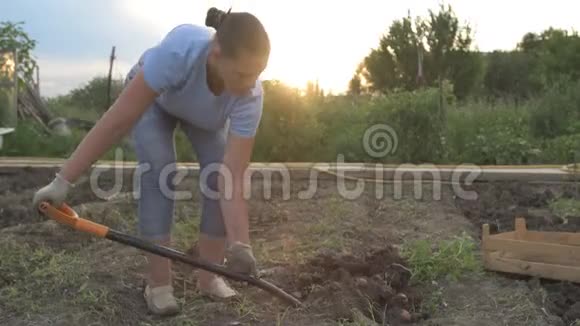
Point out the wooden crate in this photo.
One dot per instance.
(550, 255)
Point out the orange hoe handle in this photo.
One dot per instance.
(66, 215)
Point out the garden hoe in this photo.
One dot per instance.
(66, 215)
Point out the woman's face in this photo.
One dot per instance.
(240, 74)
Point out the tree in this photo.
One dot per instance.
(93, 95)
(510, 73)
(466, 72)
(354, 86)
(423, 52)
(313, 90)
(13, 37)
(537, 63)
(314, 94)
(393, 64)
(556, 54)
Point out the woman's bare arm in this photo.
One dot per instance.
(231, 182)
(113, 125)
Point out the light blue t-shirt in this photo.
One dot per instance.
(176, 68)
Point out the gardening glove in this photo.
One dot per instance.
(240, 259)
(54, 193)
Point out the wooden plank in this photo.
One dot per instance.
(520, 225)
(556, 272)
(484, 239)
(485, 232)
(504, 235)
(536, 251)
(564, 238)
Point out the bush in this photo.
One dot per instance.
(416, 118)
(342, 124)
(93, 95)
(27, 140)
(8, 117)
(561, 150)
(62, 107)
(288, 130)
(451, 258)
(480, 133)
(296, 127)
(557, 111)
(4, 107)
(510, 74)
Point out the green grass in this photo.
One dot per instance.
(449, 259)
(565, 207)
(32, 278)
(245, 309)
(42, 281)
(186, 231)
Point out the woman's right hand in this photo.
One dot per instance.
(55, 192)
(110, 128)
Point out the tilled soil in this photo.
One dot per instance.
(373, 284)
(352, 271)
(376, 286)
(499, 203)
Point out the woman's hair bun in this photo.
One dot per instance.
(215, 17)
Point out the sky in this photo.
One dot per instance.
(74, 37)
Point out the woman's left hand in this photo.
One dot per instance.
(240, 259)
